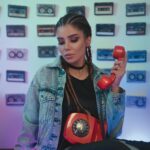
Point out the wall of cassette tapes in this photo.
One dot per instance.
(27, 42)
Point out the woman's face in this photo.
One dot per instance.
(72, 44)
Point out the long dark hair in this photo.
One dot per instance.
(81, 23)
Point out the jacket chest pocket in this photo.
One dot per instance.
(47, 99)
(47, 95)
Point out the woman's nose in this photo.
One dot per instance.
(66, 46)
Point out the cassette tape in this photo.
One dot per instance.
(136, 28)
(105, 29)
(15, 99)
(46, 10)
(15, 30)
(17, 11)
(15, 76)
(106, 70)
(136, 76)
(136, 9)
(47, 51)
(76, 9)
(136, 101)
(105, 54)
(17, 54)
(46, 30)
(104, 8)
(137, 56)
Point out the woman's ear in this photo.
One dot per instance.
(88, 41)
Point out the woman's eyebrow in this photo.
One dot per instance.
(73, 35)
(70, 36)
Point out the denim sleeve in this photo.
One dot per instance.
(115, 110)
(28, 136)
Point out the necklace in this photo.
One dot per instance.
(77, 68)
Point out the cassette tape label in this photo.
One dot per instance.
(136, 28)
(136, 101)
(103, 8)
(47, 51)
(137, 56)
(76, 9)
(17, 11)
(136, 9)
(15, 76)
(46, 30)
(46, 10)
(15, 99)
(105, 29)
(15, 30)
(105, 54)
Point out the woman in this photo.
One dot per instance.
(70, 85)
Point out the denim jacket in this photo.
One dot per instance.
(42, 114)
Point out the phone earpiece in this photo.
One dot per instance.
(106, 80)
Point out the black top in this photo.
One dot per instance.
(86, 95)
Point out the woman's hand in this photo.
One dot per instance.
(119, 70)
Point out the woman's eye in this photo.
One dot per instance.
(61, 42)
(74, 39)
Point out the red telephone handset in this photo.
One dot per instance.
(106, 81)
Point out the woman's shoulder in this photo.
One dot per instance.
(97, 70)
(55, 64)
(48, 69)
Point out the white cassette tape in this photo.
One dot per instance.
(17, 54)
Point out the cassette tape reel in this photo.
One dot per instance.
(15, 99)
(136, 101)
(45, 10)
(47, 51)
(16, 54)
(136, 76)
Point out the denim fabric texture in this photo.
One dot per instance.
(43, 108)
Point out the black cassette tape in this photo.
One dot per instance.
(16, 54)
(105, 29)
(15, 99)
(15, 30)
(46, 10)
(136, 76)
(47, 51)
(15, 76)
(137, 56)
(17, 11)
(136, 101)
(46, 30)
(136, 28)
(106, 70)
(76, 9)
(136, 9)
(105, 54)
(104, 8)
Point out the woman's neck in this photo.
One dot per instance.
(80, 74)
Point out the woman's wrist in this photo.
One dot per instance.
(115, 89)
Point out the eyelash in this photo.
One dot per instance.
(72, 40)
